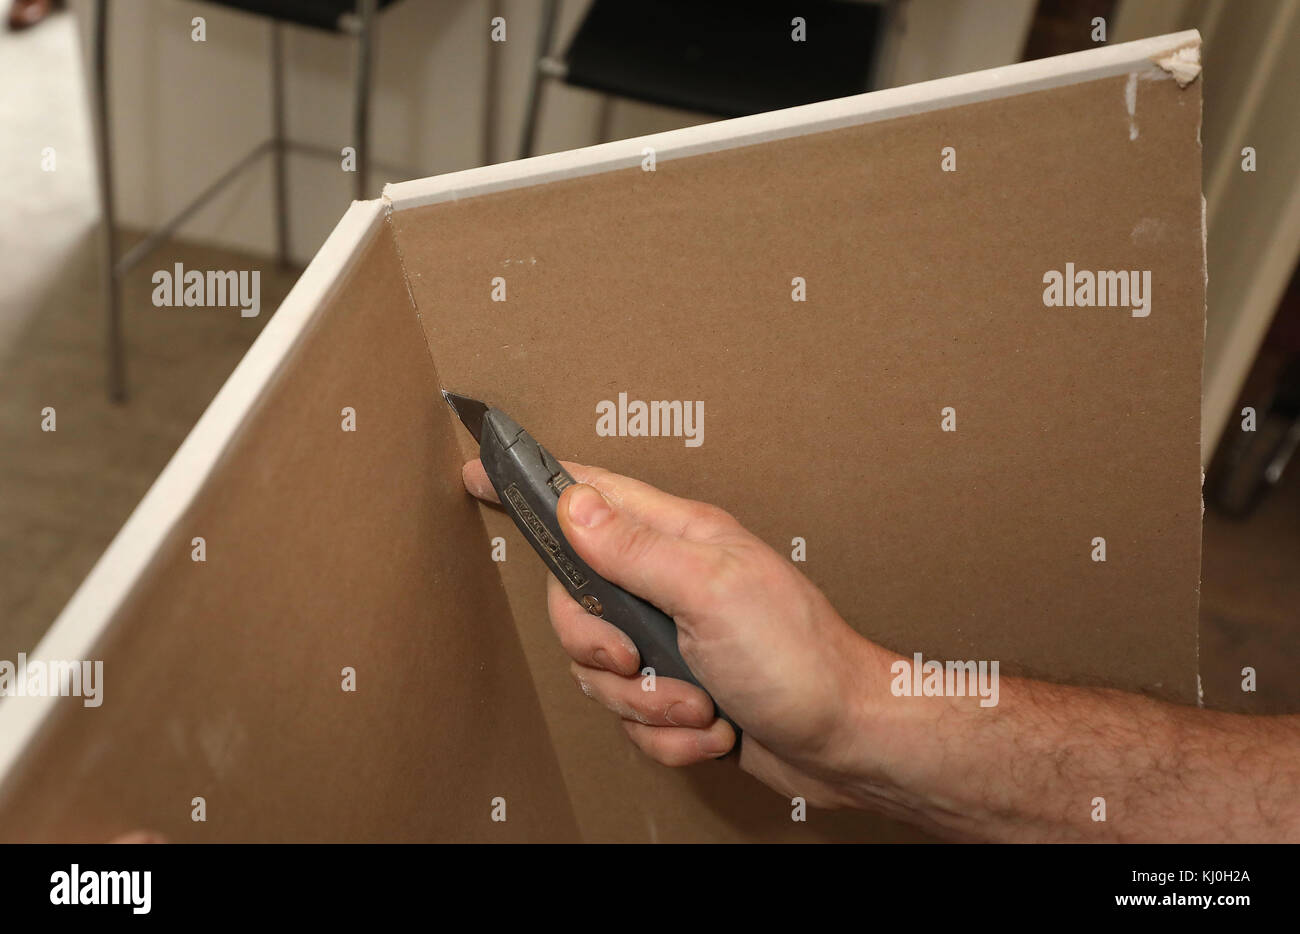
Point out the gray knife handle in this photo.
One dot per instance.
(529, 482)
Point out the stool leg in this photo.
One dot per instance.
(116, 358)
(279, 153)
(361, 113)
(545, 31)
(491, 92)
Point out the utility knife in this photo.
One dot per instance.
(529, 482)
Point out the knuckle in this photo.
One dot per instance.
(649, 708)
(637, 544)
(655, 742)
(705, 521)
(728, 579)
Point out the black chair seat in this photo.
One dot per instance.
(317, 14)
(726, 58)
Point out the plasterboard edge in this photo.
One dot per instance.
(1105, 61)
(78, 629)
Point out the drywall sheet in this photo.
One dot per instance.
(823, 418)
(325, 550)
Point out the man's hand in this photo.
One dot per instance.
(756, 632)
(820, 720)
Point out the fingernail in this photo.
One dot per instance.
(715, 745)
(587, 508)
(602, 659)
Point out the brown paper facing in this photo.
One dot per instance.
(325, 549)
(924, 290)
(823, 418)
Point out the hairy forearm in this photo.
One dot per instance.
(1050, 760)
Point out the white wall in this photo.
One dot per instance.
(1250, 88)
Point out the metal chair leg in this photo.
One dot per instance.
(491, 92)
(115, 354)
(605, 119)
(279, 151)
(361, 114)
(545, 34)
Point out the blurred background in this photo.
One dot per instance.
(232, 136)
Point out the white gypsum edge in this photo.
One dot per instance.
(1077, 67)
(85, 620)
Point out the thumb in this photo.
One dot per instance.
(668, 570)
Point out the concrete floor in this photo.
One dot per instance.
(63, 495)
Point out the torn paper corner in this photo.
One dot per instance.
(1183, 64)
